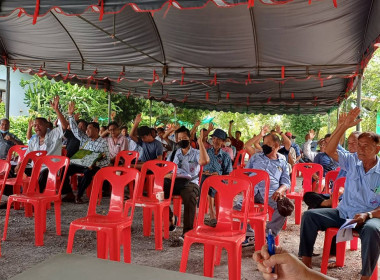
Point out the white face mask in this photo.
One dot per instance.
(210, 141)
(227, 144)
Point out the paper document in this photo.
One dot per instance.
(345, 231)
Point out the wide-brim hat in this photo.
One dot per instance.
(219, 133)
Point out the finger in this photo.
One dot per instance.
(257, 257)
(264, 252)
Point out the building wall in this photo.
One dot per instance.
(17, 106)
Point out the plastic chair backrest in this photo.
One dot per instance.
(339, 183)
(5, 167)
(119, 178)
(240, 159)
(307, 170)
(260, 175)
(20, 150)
(330, 177)
(159, 168)
(33, 156)
(64, 152)
(227, 187)
(56, 165)
(128, 157)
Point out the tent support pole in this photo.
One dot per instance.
(359, 99)
(8, 93)
(109, 106)
(328, 122)
(175, 115)
(150, 112)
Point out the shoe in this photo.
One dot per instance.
(181, 238)
(173, 226)
(249, 241)
(79, 200)
(210, 223)
(70, 197)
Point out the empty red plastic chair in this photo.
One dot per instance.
(154, 201)
(225, 234)
(307, 170)
(16, 152)
(21, 179)
(177, 201)
(330, 179)
(57, 166)
(240, 159)
(113, 229)
(127, 158)
(258, 213)
(5, 167)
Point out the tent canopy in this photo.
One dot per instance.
(292, 57)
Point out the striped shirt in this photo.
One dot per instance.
(98, 146)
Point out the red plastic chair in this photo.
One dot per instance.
(330, 177)
(225, 234)
(5, 167)
(177, 201)
(307, 170)
(57, 166)
(239, 159)
(20, 180)
(113, 229)
(19, 150)
(258, 213)
(331, 232)
(128, 157)
(151, 203)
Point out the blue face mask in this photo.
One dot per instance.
(4, 131)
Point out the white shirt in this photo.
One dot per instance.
(52, 142)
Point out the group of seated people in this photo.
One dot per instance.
(272, 151)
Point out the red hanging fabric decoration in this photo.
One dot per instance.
(148, 93)
(269, 99)
(168, 8)
(214, 82)
(122, 74)
(36, 12)
(248, 80)
(183, 75)
(228, 96)
(315, 98)
(14, 68)
(20, 13)
(335, 3)
(251, 3)
(282, 72)
(68, 71)
(320, 78)
(185, 99)
(97, 85)
(95, 72)
(292, 95)
(207, 95)
(247, 100)
(154, 77)
(101, 4)
(129, 93)
(5, 60)
(309, 2)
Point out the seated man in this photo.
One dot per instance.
(151, 148)
(236, 142)
(7, 139)
(186, 183)
(323, 158)
(72, 143)
(360, 201)
(220, 164)
(89, 141)
(116, 141)
(275, 164)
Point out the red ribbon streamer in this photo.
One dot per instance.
(248, 80)
(282, 72)
(36, 12)
(335, 3)
(101, 2)
(215, 81)
(292, 95)
(247, 100)
(14, 68)
(122, 74)
(168, 8)
(207, 95)
(129, 93)
(148, 93)
(269, 99)
(20, 13)
(183, 75)
(228, 96)
(5, 60)
(68, 71)
(251, 3)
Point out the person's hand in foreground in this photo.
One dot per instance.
(287, 266)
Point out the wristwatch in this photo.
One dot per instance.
(370, 216)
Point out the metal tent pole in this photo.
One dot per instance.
(8, 93)
(359, 99)
(150, 112)
(109, 106)
(328, 122)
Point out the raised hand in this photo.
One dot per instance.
(311, 134)
(264, 130)
(278, 129)
(30, 123)
(71, 108)
(352, 118)
(76, 116)
(138, 118)
(342, 118)
(197, 123)
(200, 138)
(210, 127)
(55, 103)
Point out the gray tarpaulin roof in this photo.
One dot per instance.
(297, 56)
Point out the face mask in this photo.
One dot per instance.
(227, 144)
(4, 131)
(210, 141)
(266, 149)
(183, 144)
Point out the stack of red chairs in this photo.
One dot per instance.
(240, 159)
(113, 229)
(5, 167)
(330, 179)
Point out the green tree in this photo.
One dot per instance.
(300, 125)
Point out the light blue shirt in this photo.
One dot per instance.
(362, 190)
(188, 164)
(220, 163)
(277, 169)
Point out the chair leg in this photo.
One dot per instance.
(158, 228)
(177, 207)
(16, 190)
(147, 221)
(28, 210)
(10, 200)
(218, 256)
(114, 241)
(259, 228)
(375, 273)
(38, 224)
(127, 244)
(185, 255)
(298, 209)
(340, 253)
(326, 250)
(101, 244)
(208, 261)
(354, 244)
(70, 240)
(57, 210)
(165, 216)
(234, 259)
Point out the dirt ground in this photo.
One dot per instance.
(19, 252)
